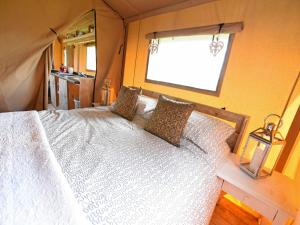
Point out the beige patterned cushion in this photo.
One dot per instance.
(169, 119)
(125, 105)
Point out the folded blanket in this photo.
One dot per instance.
(33, 189)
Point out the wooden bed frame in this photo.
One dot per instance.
(239, 120)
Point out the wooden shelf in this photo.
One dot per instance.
(85, 38)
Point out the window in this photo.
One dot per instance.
(91, 58)
(187, 62)
(65, 57)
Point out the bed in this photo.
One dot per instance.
(121, 174)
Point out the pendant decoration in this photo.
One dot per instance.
(216, 45)
(154, 43)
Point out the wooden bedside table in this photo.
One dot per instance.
(275, 197)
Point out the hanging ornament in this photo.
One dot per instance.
(154, 43)
(216, 45)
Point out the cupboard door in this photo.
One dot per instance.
(73, 93)
(63, 94)
(53, 91)
(86, 92)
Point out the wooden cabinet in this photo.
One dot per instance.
(54, 90)
(63, 94)
(275, 197)
(86, 92)
(64, 91)
(73, 93)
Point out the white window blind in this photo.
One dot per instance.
(187, 61)
(91, 58)
(65, 58)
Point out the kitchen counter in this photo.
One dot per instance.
(66, 87)
(75, 79)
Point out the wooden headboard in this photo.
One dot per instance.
(239, 120)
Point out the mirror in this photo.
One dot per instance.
(74, 65)
(79, 45)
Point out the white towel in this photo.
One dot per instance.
(33, 190)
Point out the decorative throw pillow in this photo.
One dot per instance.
(169, 119)
(125, 104)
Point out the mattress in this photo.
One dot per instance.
(121, 174)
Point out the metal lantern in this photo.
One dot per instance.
(105, 95)
(262, 140)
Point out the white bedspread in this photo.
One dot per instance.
(122, 174)
(33, 190)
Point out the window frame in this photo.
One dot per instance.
(91, 45)
(215, 93)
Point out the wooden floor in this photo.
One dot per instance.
(227, 213)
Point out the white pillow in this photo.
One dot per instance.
(208, 133)
(140, 107)
(200, 125)
(145, 104)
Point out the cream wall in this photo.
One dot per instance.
(263, 63)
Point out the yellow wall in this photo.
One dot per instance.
(79, 57)
(263, 63)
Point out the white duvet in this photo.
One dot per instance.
(123, 175)
(33, 189)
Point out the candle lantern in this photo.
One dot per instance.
(105, 96)
(262, 140)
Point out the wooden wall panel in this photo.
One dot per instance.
(86, 92)
(73, 93)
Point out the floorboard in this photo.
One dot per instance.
(227, 213)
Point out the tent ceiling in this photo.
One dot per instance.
(134, 9)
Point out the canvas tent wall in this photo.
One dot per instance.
(28, 28)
